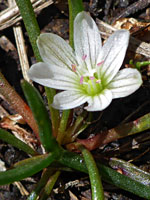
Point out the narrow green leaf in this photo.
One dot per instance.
(131, 170)
(11, 139)
(41, 116)
(49, 186)
(26, 168)
(75, 6)
(96, 184)
(29, 19)
(35, 193)
(109, 175)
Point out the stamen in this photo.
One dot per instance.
(84, 57)
(81, 80)
(98, 81)
(74, 69)
(100, 63)
(92, 77)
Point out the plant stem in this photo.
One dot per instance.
(75, 6)
(49, 186)
(63, 125)
(35, 193)
(138, 65)
(123, 130)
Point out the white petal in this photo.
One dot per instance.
(100, 102)
(52, 76)
(113, 53)
(87, 40)
(68, 99)
(55, 51)
(125, 82)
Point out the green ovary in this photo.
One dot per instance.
(91, 87)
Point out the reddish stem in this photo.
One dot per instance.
(17, 103)
(136, 126)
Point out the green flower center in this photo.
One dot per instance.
(91, 85)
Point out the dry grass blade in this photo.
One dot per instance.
(11, 16)
(20, 46)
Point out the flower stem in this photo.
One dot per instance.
(75, 6)
(63, 126)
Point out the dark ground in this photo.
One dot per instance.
(76, 185)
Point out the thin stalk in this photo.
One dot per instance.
(55, 117)
(96, 184)
(49, 186)
(75, 6)
(141, 64)
(63, 126)
(35, 193)
(74, 130)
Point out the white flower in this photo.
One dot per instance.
(88, 74)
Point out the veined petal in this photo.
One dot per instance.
(113, 53)
(125, 83)
(53, 76)
(69, 99)
(99, 102)
(55, 51)
(87, 41)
